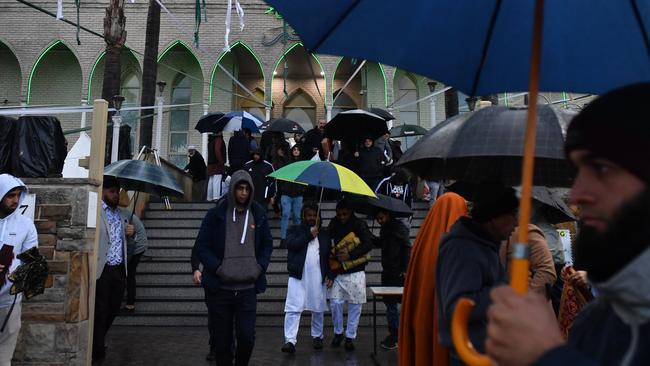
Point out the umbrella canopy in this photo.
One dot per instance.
(494, 53)
(284, 125)
(382, 113)
(355, 125)
(371, 205)
(142, 176)
(323, 174)
(488, 145)
(234, 121)
(207, 123)
(407, 130)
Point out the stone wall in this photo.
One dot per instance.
(55, 324)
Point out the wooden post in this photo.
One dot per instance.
(96, 176)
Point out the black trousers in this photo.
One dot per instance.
(132, 265)
(109, 290)
(227, 308)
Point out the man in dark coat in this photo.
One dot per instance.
(395, 250)
(265, 187)
(312, 141)
(608, 144)
(307, 264)
(468, 262)
(349, 283)
(196, 167)
(370, 162)
(234, 245)
(239, 151)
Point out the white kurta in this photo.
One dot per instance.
(309, 293)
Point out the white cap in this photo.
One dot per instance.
(191, 147)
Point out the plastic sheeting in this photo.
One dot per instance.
(7, 132)
(39, 147)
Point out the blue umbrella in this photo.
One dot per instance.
(484, 47)
(234, 121)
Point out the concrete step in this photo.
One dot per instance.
(195, 223)
(182, 279)
(186, 251)
(194, 305)
(192, 233)
(141, 318)
(175, 266)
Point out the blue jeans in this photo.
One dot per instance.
(291, 206)
(392, 317)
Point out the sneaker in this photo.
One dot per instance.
(336, 341)
(289, 348)
(389, 342)
(317, 342)
(211, 356)
(349, 344)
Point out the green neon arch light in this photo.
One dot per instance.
(92, 71)
(381, 70)
(224, 53)
(270, 97)
(178, 42)
(38, 61)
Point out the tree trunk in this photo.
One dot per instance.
(114, 36)
(149, 72)
(451, 103)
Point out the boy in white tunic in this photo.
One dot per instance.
(307, 250)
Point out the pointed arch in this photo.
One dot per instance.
(282, 58)
(247, 48)
(43, 54)
(100, 58)
(11, 76)
(300, 107)
(372, 76)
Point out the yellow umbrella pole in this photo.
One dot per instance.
(519, 263)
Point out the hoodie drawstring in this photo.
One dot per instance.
(243, 234)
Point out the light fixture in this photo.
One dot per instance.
(275, 73)
(117, 102)
(322, 73)
(432, 86)
(161, 86)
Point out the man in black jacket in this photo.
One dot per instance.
(395, 250)
(370, 162)
(265, 187)
(608, 144)
(349, 282)
(307, 263)
(468, 262)
(239, 151)
(234, 245)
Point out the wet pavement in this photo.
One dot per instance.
(171, 346)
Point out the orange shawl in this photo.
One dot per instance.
(418, 328)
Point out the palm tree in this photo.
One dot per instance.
(149, 72)
(451, 103)
(114, 36)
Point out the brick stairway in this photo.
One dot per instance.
(166, 295)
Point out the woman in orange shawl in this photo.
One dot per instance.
(418, 328)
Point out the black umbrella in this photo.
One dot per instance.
(386, 115)
(284, 125)
(489, 145)
(207, 123)
(552, 203)
(370, 206)
(407, 130)
(29, 278)
(355, 125)
(142, 176)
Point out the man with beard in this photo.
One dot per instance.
(608, 144)
(19, 234)
(349, 282)
(307, 252)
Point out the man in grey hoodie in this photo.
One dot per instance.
(608, 144)
(234, 245)
(18, 233)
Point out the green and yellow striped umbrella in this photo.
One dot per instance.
(323, 174)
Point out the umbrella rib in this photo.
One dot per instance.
(486, 46)
(644, 32)
(335, 25)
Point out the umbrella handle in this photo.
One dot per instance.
(460, 335)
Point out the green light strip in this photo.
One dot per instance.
(178, 42)
(38, 60)
(224, 53)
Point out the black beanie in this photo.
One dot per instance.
(492, 200)
(616, 127)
